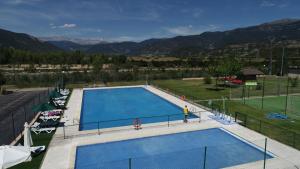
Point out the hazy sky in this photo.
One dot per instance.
(120, 20)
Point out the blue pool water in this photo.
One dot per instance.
(174, 151)
(119, 106)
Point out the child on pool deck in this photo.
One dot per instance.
(186, 113)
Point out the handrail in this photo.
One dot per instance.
(144, 117)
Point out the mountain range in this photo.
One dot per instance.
(25, 42)
(286, 29)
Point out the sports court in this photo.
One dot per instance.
(277, 104)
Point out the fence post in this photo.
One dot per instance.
(24, 113)
(204, 162)
(248, 92)
(287, 95)
(98, 127)
(260, 126)
(294, 139)
(244, 94)
(235, 116)
(168, 120)
(129, 163)
(199, 117)
(13, 123)
(64, 131)
(263, 94)
(265, 153)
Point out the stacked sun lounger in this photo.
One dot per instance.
(60, 102)
(49, 120)
(64, 92)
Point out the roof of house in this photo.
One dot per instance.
(251, 71)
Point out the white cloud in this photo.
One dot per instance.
(267, 4)
(195, 12)
(19, 2)
(181, 30)
(189, 29)
(129, 38)
(64, 26)
(283, 5)
(83, 41)
(123, 38)
(67, 25)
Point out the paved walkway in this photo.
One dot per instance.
(61, 153)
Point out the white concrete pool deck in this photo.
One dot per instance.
(61, 152)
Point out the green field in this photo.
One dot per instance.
(251, 115)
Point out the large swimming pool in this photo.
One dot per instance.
(114, 107)
(174, 151)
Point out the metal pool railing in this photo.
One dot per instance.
(137, 123)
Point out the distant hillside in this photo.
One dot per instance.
(70, 46)
(287, 29)
(116, 48)
(24, 42)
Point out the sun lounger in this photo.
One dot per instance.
(51, 113)
(65, 93)
(61, 98)
(37, 149)
(46, 124)
(35, 125)
(54, 110)
(59, 103)
(46, 118)
(40, 130)
(64, 90)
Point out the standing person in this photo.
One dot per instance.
(186, 113)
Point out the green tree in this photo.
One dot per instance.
(2, 81)
(97, 66)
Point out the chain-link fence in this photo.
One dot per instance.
(267, 86)
(16, 109)
(262, 124)
(279, 133)
(272, 94)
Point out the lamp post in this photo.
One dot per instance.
(272, 39)
(62, 79)
(282, 57)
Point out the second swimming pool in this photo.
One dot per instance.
(173, 151)
(115, 107)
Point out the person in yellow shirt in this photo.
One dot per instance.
(186, 113)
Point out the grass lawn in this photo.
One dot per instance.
(129, 83)
(41, 139)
